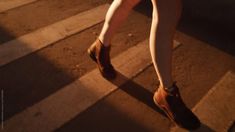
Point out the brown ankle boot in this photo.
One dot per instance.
(100, 54)
(174, 107)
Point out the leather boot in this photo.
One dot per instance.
(174, 107)
(100, 54)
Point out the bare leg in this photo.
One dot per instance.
(99, 51)
(117, 13)
(165, 17)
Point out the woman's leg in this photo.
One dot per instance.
(165, 18)
(100, 49)
(117, 13)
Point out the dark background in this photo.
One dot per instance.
(211, 21)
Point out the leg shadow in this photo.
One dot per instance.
(204, 128)
(136, 91)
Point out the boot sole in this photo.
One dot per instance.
(165, 111)
(169, 116)
(92, 55)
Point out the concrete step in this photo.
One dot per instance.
(10, 4)
(60, 107)
(31, 42)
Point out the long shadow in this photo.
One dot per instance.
(5, 36)
(137, 91)
(32, 78)
(28, 80)
(104, 116)
(204, 128)
(143, 95)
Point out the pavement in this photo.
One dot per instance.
(48, 82)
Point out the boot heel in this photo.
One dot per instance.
(92, 55)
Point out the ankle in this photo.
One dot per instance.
(169, 88)
(103, 42)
